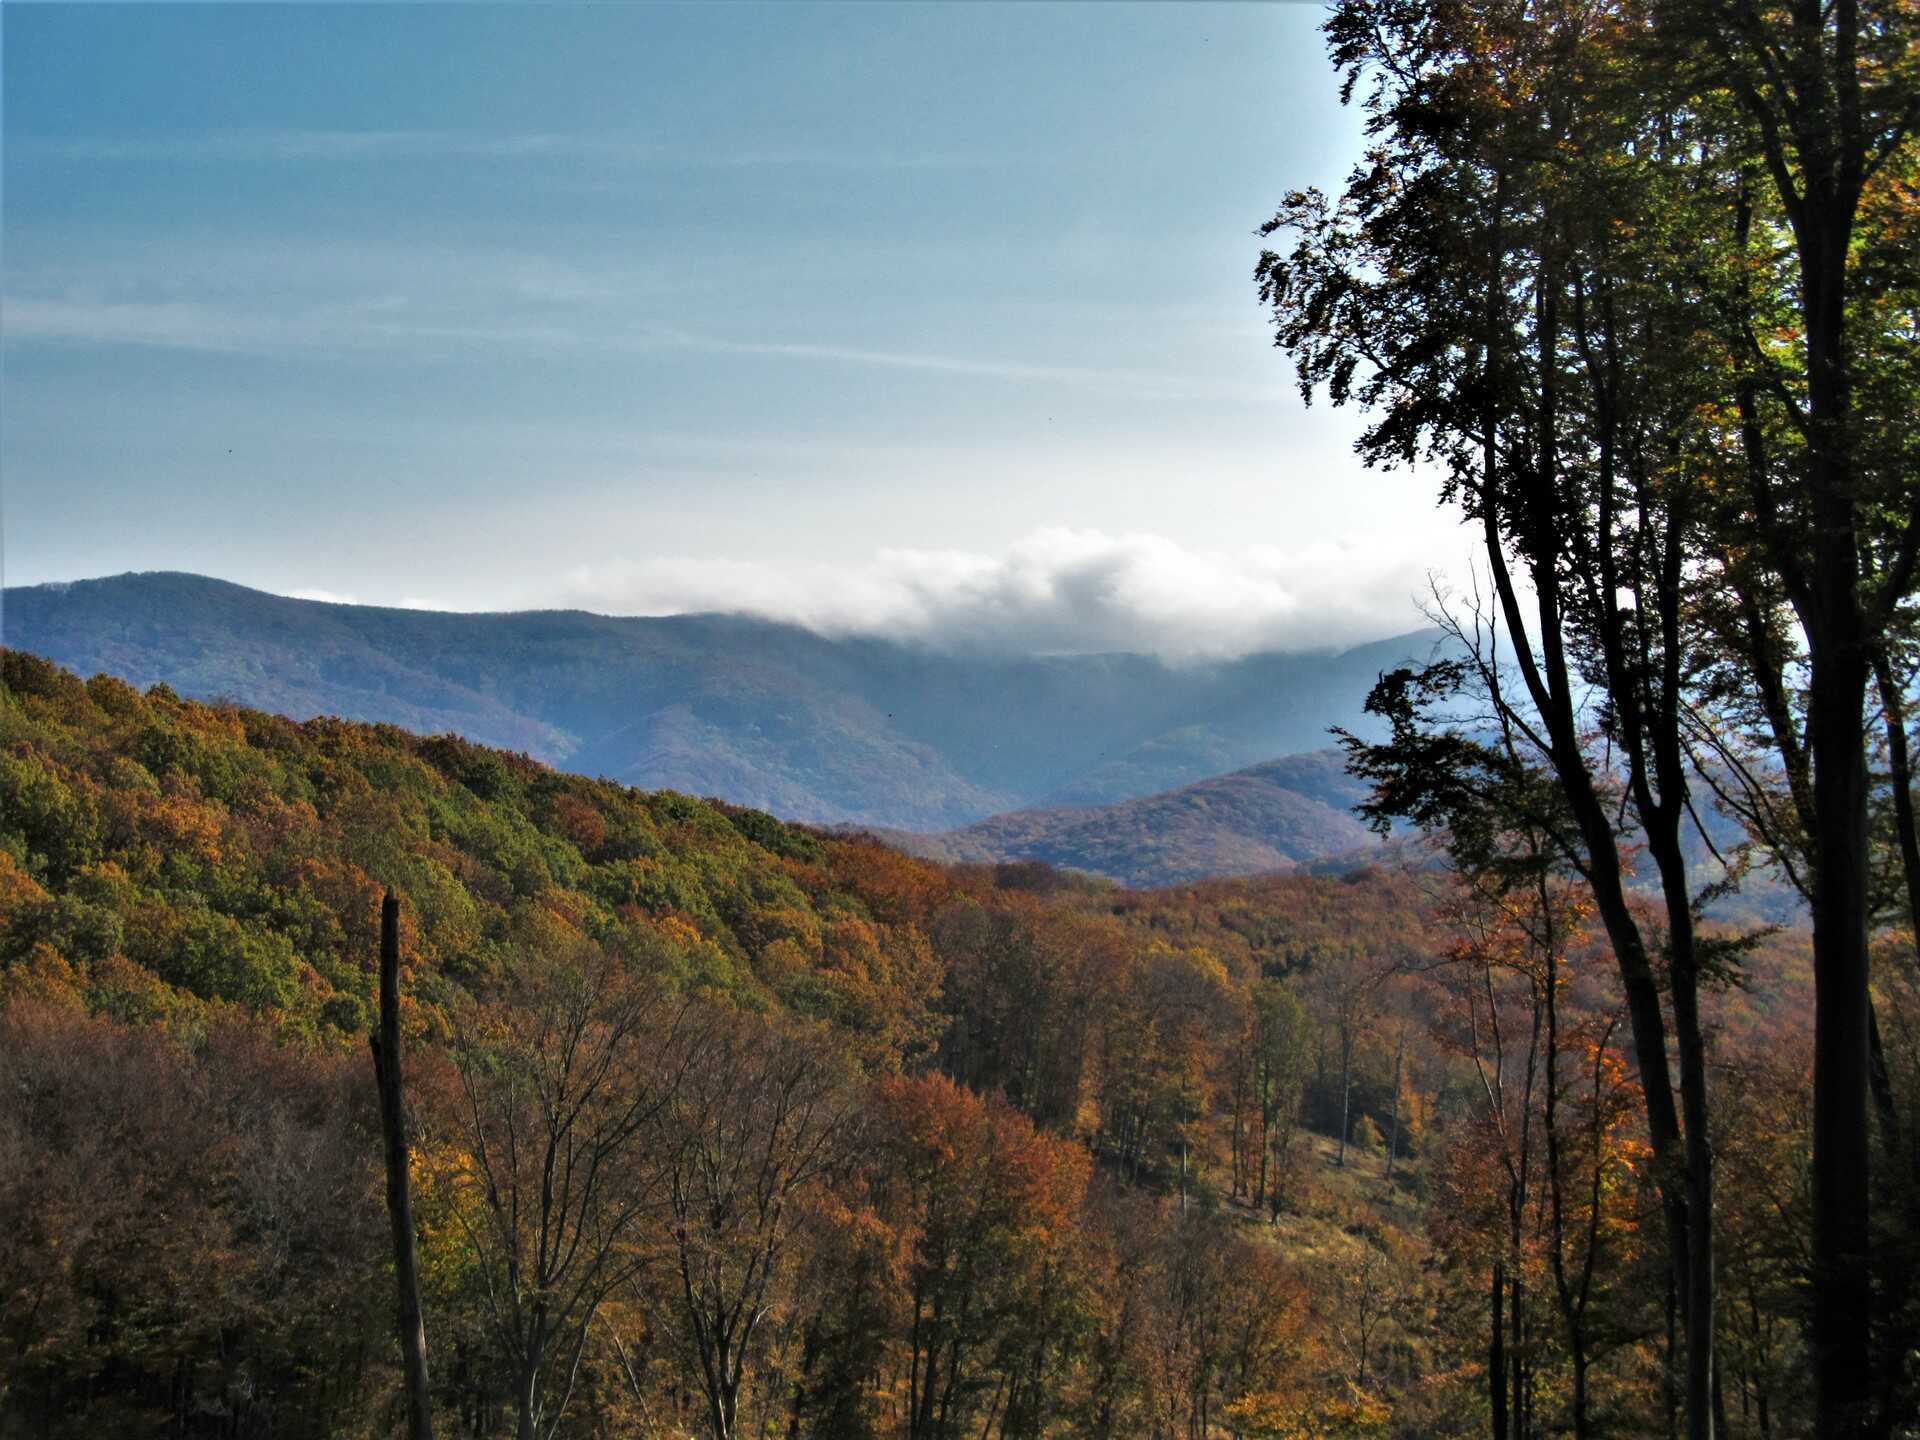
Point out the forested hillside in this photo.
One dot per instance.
(726, 1127)
(1265, 818)
(810, 727)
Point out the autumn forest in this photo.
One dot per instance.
(361, 1082)
(722, 1127)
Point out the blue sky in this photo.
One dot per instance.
(930, 318)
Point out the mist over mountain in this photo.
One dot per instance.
(1053, 591)
(849, 729)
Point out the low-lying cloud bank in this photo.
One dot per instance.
(1058, 590)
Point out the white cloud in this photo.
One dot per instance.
(325, 597)
(405, 602)
(1056, 590)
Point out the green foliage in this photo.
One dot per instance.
(218, 958)
(1367, 1136)
(56, 824)
(235, 857)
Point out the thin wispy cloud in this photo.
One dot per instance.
(391, 324)
(192, 325)
(268, 147)
(1134, 380)
(1057, 590)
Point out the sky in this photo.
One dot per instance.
(933, 320)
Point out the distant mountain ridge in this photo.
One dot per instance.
(854, 730)
(1288, 814)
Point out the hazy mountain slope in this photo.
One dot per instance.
(1271, 817)
(204, 638)
(1258, 707)
(853, 730)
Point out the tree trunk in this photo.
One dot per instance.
(1900, 779)
(386, 1068)
(1393, 1131)
(1517, 1355)
(1550, 685)
(1697, 1276)
(1266, 1139)
(1497, 1352)
(523, 1398)
(1842, 1157)
(1839, 654)
(1670, 1390)
(1900, 1338)
(1346, 1088)
(1840, 1089)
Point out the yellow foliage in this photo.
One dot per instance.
(180, 822)
(46, 976)
(16, 885)
(1350, 1413)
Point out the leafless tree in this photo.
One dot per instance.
(562, 1077)
(766, 1111)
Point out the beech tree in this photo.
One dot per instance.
(1551, 278)
(1820, 314)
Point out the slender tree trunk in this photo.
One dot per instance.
(1550, 686)
(1900, 777)
(1899, 1340)
(1516, 1315)
(1393, 1131)
(1239, 1136)
(1697, 1278)
(386, 1068)
(1516, 1359)
(1669, 1385)
(1900, 781)
(1346, 1088)
(1266, 1139)
(1497, 1352)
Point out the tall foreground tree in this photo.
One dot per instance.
(1830, 98)
(1485, 286)
(1549, 278)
